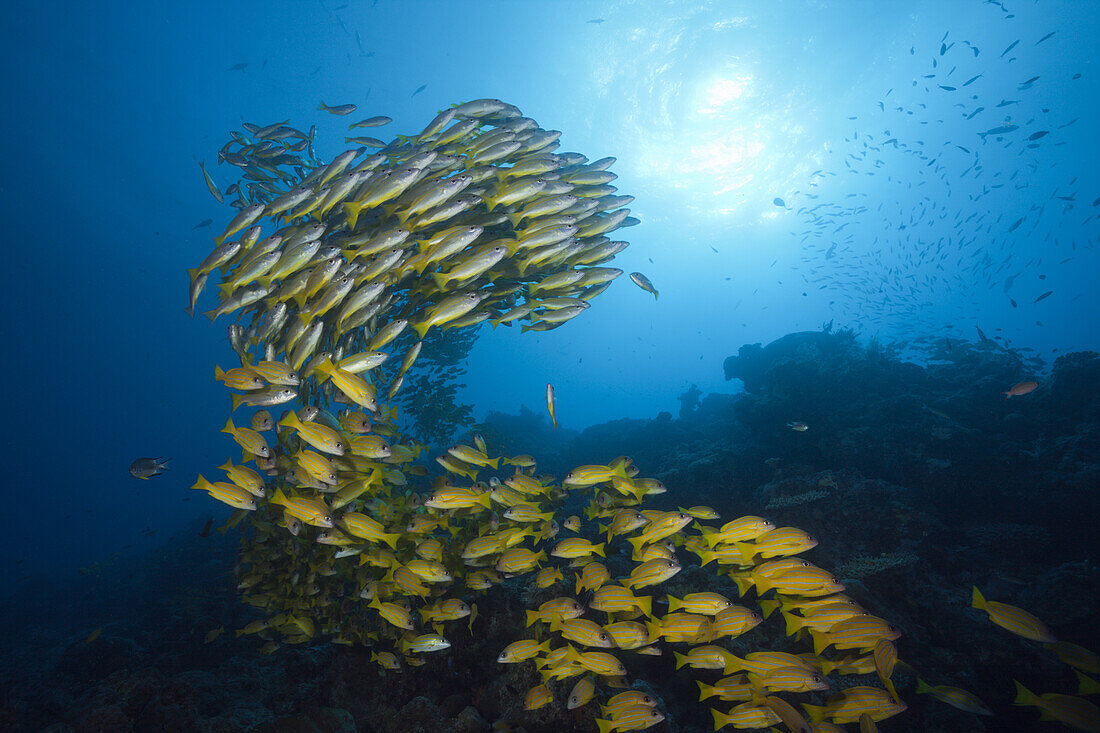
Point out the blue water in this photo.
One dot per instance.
(712, 109)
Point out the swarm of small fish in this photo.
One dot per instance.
(477, 219)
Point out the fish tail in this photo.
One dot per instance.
(351, 213)
(279, 497)
(578, 589)
(421, 328)
(747, 551)
(768, 607)
(646, 604)
(322, 106)
(193, 274)
(977, 600)
(720, 718)
(391, 539)
(211, 314)
(290, 420)
(229, 427)
(705, 690)
(820, 641)
(599, 550)
(237, 400)
(816, 713)
(1025, 696)
(743, 585)
(922, 687)
(794, 623)
(494, 462)
(604, 726)
(653, 629)
(532, 617)
(681, 659)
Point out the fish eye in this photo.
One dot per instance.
(816, 678)
(835, 581)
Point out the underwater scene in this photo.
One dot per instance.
(533, 365)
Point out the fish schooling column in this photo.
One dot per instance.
(332, 269)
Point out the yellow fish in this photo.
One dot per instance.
(1016, 620)
(551, 405)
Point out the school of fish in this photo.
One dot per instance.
(475, 219)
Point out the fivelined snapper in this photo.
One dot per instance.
(1014, 619)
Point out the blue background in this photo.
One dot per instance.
(713, 110)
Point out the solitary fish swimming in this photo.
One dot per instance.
(643, 282)
(1021, 389)
(143, 468)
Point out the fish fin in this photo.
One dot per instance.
(816, 713)
(1025, 696)
(743, 584)
(763, 585)
(747, 550)
(820, 641)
